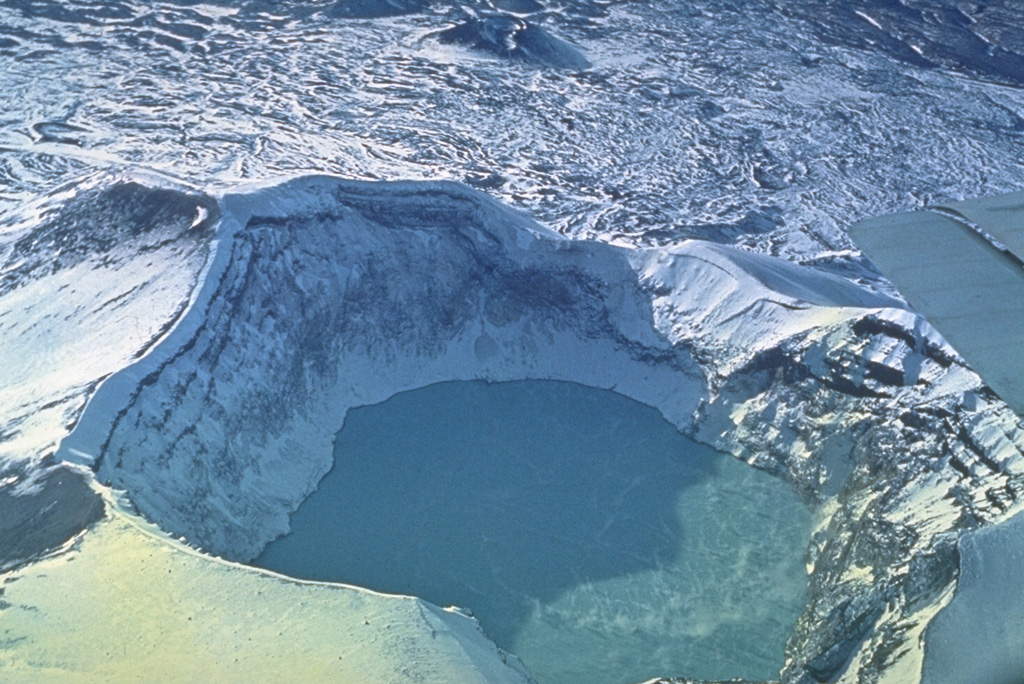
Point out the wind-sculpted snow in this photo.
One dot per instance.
(984, 38)
(692, 118)
(375, 9)
(328, 294)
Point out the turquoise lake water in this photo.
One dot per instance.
(586, 534)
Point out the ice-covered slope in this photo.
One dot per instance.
(87, 284)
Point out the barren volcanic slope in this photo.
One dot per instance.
(228, 224)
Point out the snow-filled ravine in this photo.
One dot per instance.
(583, 531)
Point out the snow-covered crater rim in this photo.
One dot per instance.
(352, 291)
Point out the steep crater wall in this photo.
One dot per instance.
(335, 294)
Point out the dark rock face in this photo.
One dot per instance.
(58, 505)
